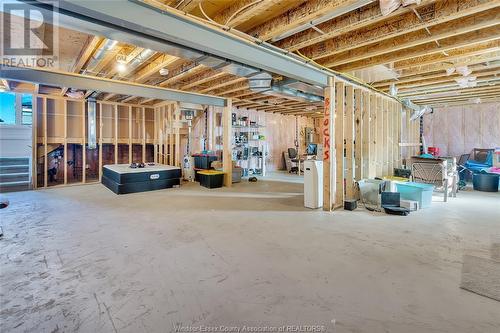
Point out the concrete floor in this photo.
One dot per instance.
(82, 259)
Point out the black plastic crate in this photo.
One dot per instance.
(211, 179)
(203, 161)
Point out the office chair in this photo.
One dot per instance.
(292, 154)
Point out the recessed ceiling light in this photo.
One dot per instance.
(164, 71)
(121, 67)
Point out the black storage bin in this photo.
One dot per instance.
(203, 161)
(485, 182)
(211, 178)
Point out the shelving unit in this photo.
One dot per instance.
(249, 147)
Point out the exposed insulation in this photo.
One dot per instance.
(458, 130)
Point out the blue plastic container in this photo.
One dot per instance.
(416, 192)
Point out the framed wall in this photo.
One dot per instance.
(60, 129)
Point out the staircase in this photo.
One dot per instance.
(14, 174)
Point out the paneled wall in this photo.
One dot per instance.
(459, 129)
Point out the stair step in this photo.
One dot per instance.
(21, 182)
(8, 169)
(14, 166)
(4, 161)
(15, 176)
(15, 186)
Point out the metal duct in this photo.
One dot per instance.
(138, 60)
(289, 88)
(418, 111)
(107, 46)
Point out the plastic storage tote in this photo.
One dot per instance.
(211, 178)
(416, 192)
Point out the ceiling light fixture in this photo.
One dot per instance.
(121, 67)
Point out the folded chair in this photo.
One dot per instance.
(434, 172)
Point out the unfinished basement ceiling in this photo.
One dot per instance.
(418, 45)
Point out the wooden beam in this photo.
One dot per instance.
(451, 55)
(358, 135)
(162, 61)
(349, 142)
(458, 41)
(84, 149)
(241, 11)
(65, 131)
(420, 37)
(34, 144)
(224, 82)
(439, 74)
(329, 156)
(366, 136)
(413, 27)
(227, 160)
(365, 16)
(45, 151)
(116, 132)
(101, 125)
(339, 143)
(298, 16)
(84, 56)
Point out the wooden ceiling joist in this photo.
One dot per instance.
(455, 42)
(241, 11)
(224, 83)
(451, 55)
(298, 16)
(409, 27)
(416, 38)
(84, 56)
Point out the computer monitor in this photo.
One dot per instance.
(312, 149)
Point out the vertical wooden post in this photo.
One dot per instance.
(399, 136)
(366, 140)
(385, 137)
(116, 134)
(349, 141)
(101, 109)
(143, 111)
(171, 134)
(329, 167)
(380, 139)
(155, 135)
(409, 135)
(177, 122)
(339, 143)
(34, 140)
(358, 129)
(373, 136)
(130, 159)
(210, 128)
(45, 151)
(227, 160)
(166, 135)
(84, 150)
(65, 153)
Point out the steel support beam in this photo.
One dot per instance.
(84, 82)
(144, 25)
